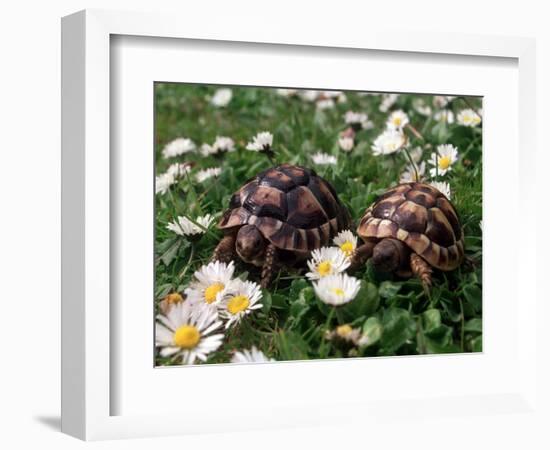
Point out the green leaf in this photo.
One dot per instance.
(168, 256)
(364, 304)
(300, 307)
(291, 346)
(431, 319)
(477, 344)
(388, 289)
(473, 325)
(472, 293)
(267, 301)
(296, 287)
(279, 301)
(399, 327)
(372, 330)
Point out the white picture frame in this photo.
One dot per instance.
(88, 328)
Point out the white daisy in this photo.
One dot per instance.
(346, 143)
(308, 95)
(446, 156)
(421, 108)
(325, 103)
(388, 100)
(345, 333)
(397, 120)
(323, 159)
(388, 142)
(468, 118)
(357, 120)
(250, 356)
(440, 101)
(331, 94)
(221, 97)
(224, 144)
(410, 174)
(262, 142)
(178, 147)
(287, 92)
(205, 174)
(239, 300)
(444, 115)
(352, 117)
(178, 170)
(443, 187)
(346, 242)
(169, 301)
(221, 144)
(207, 150)
(163, 182)
(337, 289)
(184, 227)
(342, 98)
(210, 283)
(326, 261)
(187, 332)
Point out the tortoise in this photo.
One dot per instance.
(279, 217)
(411, 229)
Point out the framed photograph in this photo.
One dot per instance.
(274, 230)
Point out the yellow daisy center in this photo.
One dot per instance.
(339, 292)
(238, 304)
(343, 330)
(347, 248)
(444, 162)
(397, 121)
(187, 336)
(173, 298)
(324, 268)
(212, 291)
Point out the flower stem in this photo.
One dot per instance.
(326, 327)
(415, 132)
(189, 261)
(461, 324)
(412, 164)
(340, 317)
(465, 100)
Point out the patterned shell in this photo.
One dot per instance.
(292, 206)
(421, 217)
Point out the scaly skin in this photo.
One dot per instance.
(225, 250)
(362, 254)
(269, 266)
(422, 270)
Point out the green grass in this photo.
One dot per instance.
(396, 314)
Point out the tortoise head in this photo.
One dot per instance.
(250, 244)
(389, 255)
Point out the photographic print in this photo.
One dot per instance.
(301, 224)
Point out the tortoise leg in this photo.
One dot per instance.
(422, 270)
(270, 265)
(362, 254)
(225, 250)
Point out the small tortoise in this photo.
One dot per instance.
(410, 229)
(279, 217)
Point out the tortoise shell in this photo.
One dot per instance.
(293, 207)
(420, 216)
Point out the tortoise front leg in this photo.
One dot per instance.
(361, 254)
(270, 265)
(225, 250)
(422, 270)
